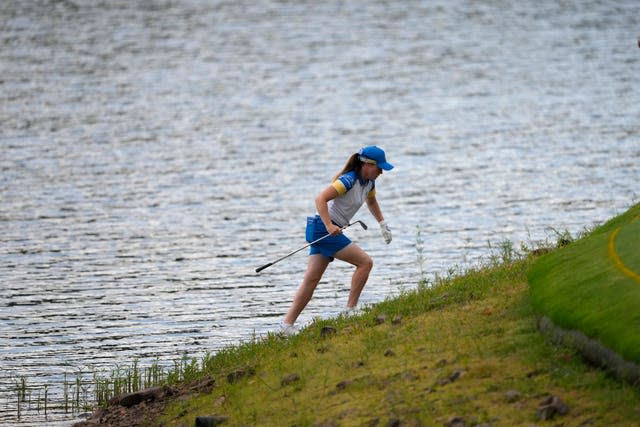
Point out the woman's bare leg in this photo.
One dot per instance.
(354, 255)
(316, 267)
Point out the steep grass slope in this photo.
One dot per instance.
(593, 285)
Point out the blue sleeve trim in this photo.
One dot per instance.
(348, 179)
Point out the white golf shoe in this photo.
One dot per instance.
(288, 330)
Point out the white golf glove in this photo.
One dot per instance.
(386, 232)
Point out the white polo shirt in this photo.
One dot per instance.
(352, 193)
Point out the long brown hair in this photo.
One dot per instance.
(353, 164)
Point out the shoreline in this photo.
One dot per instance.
(474, 337)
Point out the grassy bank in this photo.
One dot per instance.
(465, 347)
(593, 285)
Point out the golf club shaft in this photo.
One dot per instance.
(259, 269)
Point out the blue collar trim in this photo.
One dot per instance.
(361, 180)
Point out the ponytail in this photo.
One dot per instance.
(353, 164)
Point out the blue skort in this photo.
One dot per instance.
(328, 246)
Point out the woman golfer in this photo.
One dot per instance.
(336, 205)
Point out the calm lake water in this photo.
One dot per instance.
(154, 153)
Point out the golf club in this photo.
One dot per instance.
(259, 269)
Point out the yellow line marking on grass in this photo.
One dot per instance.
(616, 258)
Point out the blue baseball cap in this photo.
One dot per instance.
(375, 155)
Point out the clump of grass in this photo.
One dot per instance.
(46, 400)
(75, 394)
(563, 238)
(21, 394)
(422, 280)
(36, 398)
(129, 379)
(185, 369)
(84, 391)
(506, 253)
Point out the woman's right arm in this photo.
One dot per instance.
(322, 199)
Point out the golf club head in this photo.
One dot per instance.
(362, 224)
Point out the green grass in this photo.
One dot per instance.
(454, 348)
(583, 287)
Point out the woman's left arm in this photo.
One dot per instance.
(374, 207)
